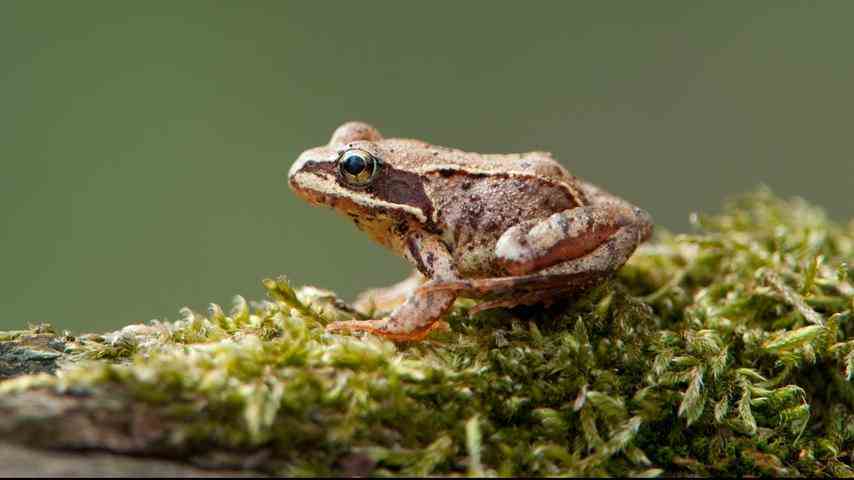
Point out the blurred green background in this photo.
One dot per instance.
(144, 145)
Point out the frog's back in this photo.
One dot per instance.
(477, 197)
(425, 157)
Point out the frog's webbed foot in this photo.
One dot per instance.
(382, 328)
(375, 300)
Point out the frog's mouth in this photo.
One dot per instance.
(318, 199)
(317, 187)
(310, 195)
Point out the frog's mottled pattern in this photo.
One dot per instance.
(517, 228)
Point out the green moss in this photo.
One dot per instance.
(728, 351)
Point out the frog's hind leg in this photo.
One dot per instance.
(571, 275)
(537, 244)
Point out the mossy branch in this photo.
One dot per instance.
(728, 351)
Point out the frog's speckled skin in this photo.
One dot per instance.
(517, 227)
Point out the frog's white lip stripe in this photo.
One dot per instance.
(314, 181)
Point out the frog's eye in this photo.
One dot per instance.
(357, 167)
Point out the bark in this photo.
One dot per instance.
(44, 433)
(18, 460)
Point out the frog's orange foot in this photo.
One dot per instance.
(380, 328)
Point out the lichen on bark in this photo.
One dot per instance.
(727, 351)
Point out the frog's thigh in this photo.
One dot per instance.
(571, 275)
(537, 244)
(387, 299)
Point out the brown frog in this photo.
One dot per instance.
(509, 228)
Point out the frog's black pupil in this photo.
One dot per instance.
(354, 164)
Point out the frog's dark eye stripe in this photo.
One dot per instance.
(357, 167)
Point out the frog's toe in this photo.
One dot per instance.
(355, 325)
(381, 328)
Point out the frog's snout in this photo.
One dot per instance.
(296, 167)
(309, 176)
(291, 179)
(300, 169)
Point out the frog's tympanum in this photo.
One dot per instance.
(509, 229)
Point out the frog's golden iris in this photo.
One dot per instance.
(357, 167)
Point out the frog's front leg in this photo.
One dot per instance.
(421, 311)
(386, 299)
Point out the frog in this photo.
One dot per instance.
(503, 229)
